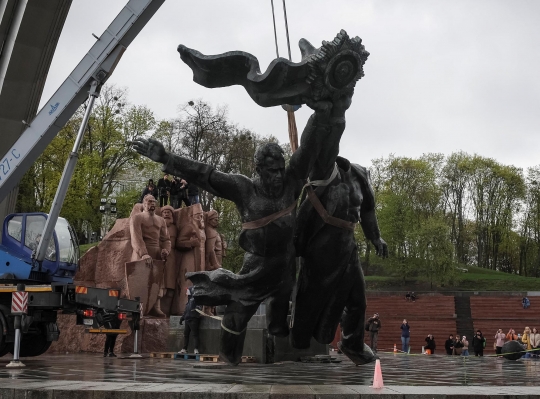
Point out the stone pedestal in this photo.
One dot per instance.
(265, 348)
(167, 335)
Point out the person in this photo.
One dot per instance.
(266, 204)
(499, 341)
(179, 193)
(511, 336)
(164, 188)
(405, 336)
(176, 187)
(526, 338)
(465, 349)
(458, 346)
(413, 297)
(449, 345)
(535, 341)
(193, 193)
(408, 296)
(478, 343)
(113, 323)
(525, 302)
(150, 240)
(430, 344)
(148, 190)
(374, 325)
(192, 318)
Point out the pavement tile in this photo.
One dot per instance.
(33, 394)
(287, 391)
(343, 392)
(72, 394)
(240, 388)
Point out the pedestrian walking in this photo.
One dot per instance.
(192, 318)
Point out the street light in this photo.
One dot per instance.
(108, 210)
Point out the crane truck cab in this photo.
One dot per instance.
(21, 234)
(50, 287)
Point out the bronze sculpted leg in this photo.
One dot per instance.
(233, 331)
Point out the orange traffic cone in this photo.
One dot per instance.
(395, 348)
(377, 376)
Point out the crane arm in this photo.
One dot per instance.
(97, 65)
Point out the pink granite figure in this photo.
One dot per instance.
(188, 242)
(149, 239)
(214, 244)
(170, 276)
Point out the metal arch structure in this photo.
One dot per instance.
(97, 65)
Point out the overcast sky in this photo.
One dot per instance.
(443, 75)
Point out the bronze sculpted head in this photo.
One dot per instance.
(270, 166)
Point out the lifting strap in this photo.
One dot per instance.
(255, 224)
(319, 207)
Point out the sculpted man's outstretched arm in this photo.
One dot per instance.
(224, 185)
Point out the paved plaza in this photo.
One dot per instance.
(404, 375)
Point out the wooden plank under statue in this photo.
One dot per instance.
(144, 281)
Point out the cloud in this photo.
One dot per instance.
(442, 76)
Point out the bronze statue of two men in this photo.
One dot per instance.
(338, 195)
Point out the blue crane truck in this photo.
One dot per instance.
(39, 252)
(50, 286)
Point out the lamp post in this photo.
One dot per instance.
(108, 210)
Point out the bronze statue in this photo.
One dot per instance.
(149, 238)
(331, 286)
(324, 81)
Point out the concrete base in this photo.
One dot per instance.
(108, 390)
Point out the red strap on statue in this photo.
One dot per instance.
(255, 224)
(342, 224)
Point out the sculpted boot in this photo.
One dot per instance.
(156, 310)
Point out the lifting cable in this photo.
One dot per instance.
(293, 131)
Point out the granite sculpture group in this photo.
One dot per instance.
(149, 254)
(333, 196)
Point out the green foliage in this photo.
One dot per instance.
(230, 226)
(104, 158)
(125, 201)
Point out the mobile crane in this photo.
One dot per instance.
(39, 253)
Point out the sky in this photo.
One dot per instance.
(442, 75)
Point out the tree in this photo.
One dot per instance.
(103, 158)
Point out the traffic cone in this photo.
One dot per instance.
(395, 348)
(377, 376)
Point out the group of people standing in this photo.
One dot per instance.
(530, 339)
(172, 190)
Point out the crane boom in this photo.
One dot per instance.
(97, 65)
